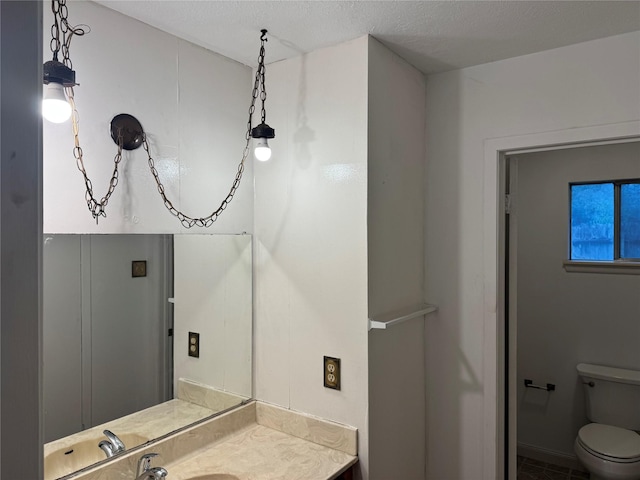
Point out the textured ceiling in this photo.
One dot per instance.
(435, 36)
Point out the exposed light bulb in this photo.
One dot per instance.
(262, 151)
(55, 106)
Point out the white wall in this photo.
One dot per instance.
(395, 203)
(566, 318)
(593, 83)
(311, 237)
(212, 295)
(193, 105)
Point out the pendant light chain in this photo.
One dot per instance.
(54, 44)
(186, 220)
(95, 207)
(263, 90)
(62, 28)
(60, 11)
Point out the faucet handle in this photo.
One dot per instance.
(144, 464)
(115, 441)
(161, 472)
(107, 447)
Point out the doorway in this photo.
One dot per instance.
(553, 318)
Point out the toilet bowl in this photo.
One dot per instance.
(609, 448)
(609, 453)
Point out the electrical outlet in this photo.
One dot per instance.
(194, 344)
(332, 373)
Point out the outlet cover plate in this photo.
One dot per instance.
(194, 344)
(331, 366)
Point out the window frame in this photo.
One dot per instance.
(631, 264)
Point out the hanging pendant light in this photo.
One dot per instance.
(262, 132)
(58, 76)
(128, 133)
(126, 130)
(55, 106)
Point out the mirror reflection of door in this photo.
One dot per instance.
(105, 331)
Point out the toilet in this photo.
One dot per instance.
(609, 448)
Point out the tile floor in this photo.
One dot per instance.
(529, 469)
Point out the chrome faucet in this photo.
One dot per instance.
(147, 472)
(113, 445)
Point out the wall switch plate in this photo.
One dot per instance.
(194, 344)
(332, 373)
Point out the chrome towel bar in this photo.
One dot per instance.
(529, 384)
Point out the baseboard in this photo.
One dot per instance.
(550, 456)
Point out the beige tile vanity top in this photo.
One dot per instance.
(261, 453)
(195, 402)
(247, 443)
(206, 396)
(149, 423)
(134, 429)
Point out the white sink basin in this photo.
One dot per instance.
(82, 454)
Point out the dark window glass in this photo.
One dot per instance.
(630, 220)
(592, 221)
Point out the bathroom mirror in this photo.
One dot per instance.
(119, 313)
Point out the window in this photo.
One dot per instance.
(630, 220)
(605, 221)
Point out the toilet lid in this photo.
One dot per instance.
(610, 441)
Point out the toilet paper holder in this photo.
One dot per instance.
(529, 384)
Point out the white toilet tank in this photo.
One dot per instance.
(614, 398)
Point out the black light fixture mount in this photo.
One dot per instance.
(57, 72)
(127, 129)
(263, 130)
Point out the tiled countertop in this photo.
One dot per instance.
(194, 403)
(261, 453)
(141, 426)
(253, 442)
